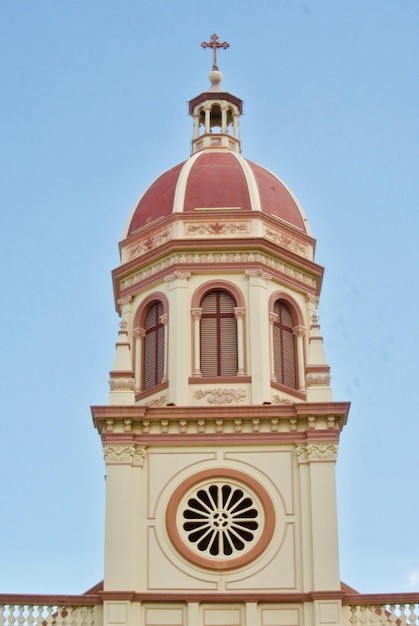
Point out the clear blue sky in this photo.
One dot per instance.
(92, 109)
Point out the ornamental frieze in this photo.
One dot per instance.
(317, 452)
(222, 258)
(220, 396)
(162, 401)
(152, 242)
(286, 242)
(125, 455)
(121, 383)
(218, 228)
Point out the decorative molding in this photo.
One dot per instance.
(162, 401)
(312, 300)
(299, 331)
(286, 242)
(220, 396)
(121, 383)
(321, 379)
(138, 333)
(258, 274)
(152, 242)
(280, 399)
(196, 313)
(124, 455)
(217, 228)
(310, 452)
(138, 457)
(177, 276)
(218, 258)
(125, 300)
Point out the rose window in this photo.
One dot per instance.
(220, 522)
(220, 519)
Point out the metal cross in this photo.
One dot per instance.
(214, 44)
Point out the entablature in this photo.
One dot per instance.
(297, 422)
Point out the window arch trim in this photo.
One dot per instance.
(237, 295)
(215, 285)
(139, 332)
(298, 322)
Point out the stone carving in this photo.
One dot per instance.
(217, 228)
(286, 242)
(121, 383)
(322, 378)
(316, 452)
(220, 396)
(161, 401)
(139, 457)
(258, 274)
(177, 276)
(280, 400)
(134, 455)
(152, 242)
(219, 257)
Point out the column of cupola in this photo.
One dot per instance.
(178, 346)
(259, 335)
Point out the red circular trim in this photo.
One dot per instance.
(222, 473)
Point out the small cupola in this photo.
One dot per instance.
(215, 112)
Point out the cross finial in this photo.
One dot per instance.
(214, 44)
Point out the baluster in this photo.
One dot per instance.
(376, 612)
(404, 613)
(411, 614)
(363, 619)
(354, 617)
(75, 615)
(20, 618)
(62, 616)
(30, 618)
(11, 616)
(392, 619)
(2, 614)
(47, 612)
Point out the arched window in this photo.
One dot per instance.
(153, 354)
(284, 349)
(218, 334)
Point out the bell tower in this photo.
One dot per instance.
(220, 437)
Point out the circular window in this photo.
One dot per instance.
(220, 519)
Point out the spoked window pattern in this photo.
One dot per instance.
(218, 335)
(221, 519)
(153, 347)
(284, 346)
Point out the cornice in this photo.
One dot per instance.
(305, 276)
(268, 423)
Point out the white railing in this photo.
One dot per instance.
(49, 611)
(383, 609)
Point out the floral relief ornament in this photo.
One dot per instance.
(133, 455)
(317, 452)
(221, 396)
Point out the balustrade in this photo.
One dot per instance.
(36, 612)
(388, 610)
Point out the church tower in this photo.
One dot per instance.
(220, 437)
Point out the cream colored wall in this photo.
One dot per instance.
(257, 288)
(302, 555)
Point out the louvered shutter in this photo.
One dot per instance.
(284, 346)
(153, 363)
(218, 335)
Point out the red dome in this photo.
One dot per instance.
(211, 179)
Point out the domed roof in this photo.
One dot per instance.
(217, 179)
